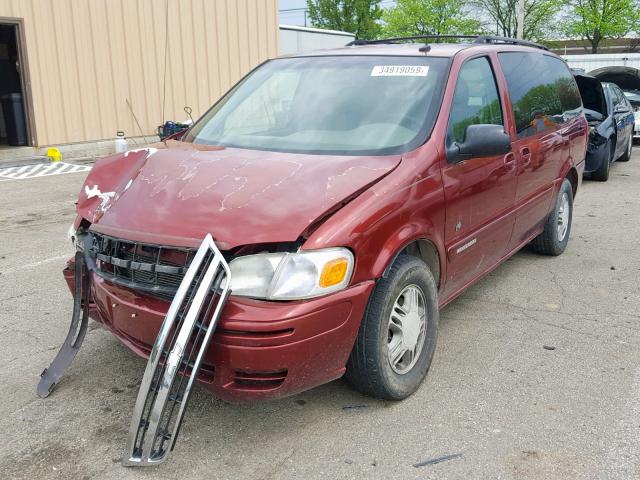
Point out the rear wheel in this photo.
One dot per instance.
(555, 236)
(626, 156)
(602, 173)
(397, 337)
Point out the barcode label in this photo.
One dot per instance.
(399, 71)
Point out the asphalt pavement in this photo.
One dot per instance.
(536, 374)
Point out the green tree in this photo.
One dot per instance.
(429, 17)
(539, 17)
(595, 20)
(355, 16)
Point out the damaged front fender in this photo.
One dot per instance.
(108, 180)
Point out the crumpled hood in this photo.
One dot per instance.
(175, 193)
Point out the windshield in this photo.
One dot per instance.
(349, 105)
(633, 96)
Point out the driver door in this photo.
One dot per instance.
(480, 191)
(623, 116)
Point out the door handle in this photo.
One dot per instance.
(509, 160)
(525, 153)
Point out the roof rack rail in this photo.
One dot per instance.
(404, 39)
(476, 39)
(513, 41)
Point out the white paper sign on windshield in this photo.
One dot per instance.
(399, 71)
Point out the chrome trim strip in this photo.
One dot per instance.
(158, 380)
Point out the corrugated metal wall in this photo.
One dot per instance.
(87, 57)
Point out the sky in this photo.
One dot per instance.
(297, 17)
(292, 18)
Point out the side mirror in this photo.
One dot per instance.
(480, 140)
(621, 109)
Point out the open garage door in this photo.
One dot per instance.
(14, 118)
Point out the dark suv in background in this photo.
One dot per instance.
(611, 125)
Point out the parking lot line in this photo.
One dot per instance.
(41, 170)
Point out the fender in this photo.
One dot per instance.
(406, 205)
(441, 267)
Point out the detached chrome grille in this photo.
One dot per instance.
(176, 357)
(152, 269)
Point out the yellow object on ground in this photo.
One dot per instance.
(54, 154)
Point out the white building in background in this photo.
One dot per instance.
(294, 39)
(623, 69)
(594, 61)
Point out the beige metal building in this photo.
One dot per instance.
(78, 62)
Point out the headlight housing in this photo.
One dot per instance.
(291, 276)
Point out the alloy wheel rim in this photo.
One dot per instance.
(407, 329)
(563, 216)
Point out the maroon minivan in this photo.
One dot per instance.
(313, 222)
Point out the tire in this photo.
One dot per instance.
(555, 236)
(626, 156)
(602, 173)
(369, 369)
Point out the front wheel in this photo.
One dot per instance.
(555, 236)
(602, 173)
(626, 156)
(397, 337)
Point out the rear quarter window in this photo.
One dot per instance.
(543, 92)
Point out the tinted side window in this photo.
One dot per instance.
(610, 96)
(620, 98)
(567, 88)
(615, 98)
(475, 100)
(542, 90)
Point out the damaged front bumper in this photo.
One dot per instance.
(253, 350)
(177, 352)
(597, 151)
(260, 350)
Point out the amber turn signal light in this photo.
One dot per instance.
(333, 272)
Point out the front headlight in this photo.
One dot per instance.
(291, 276)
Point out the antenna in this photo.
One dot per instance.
(166, 54)
(137, 122)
